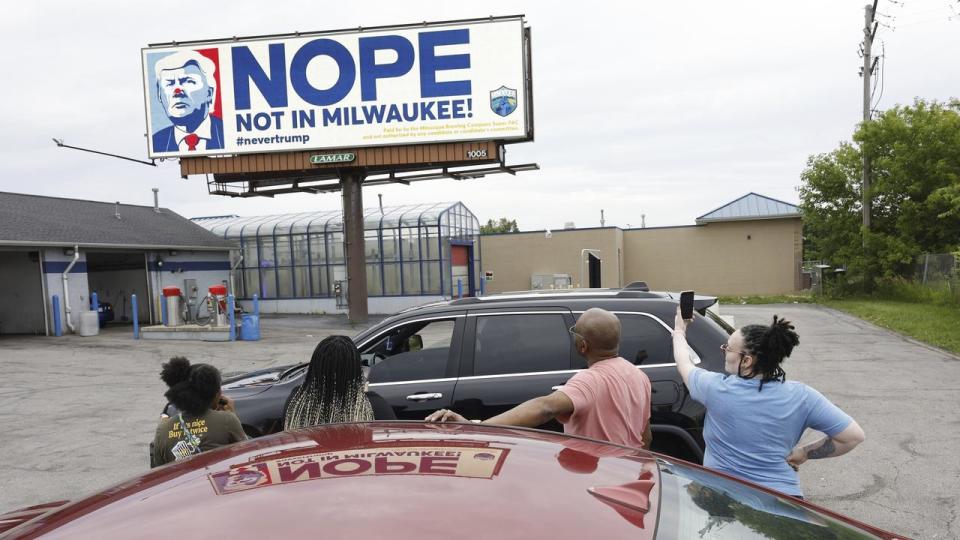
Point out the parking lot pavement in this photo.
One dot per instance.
(906, 476)
(78, 413)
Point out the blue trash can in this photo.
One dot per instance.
(250, 328)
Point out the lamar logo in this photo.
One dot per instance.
(503, 100)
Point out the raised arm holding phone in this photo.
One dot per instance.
(755, 417)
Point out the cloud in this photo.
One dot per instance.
(666, 109)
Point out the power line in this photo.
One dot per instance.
(907, 19)
(883, 74)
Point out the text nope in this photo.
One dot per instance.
(272, 81)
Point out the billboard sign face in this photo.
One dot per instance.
(430, 83)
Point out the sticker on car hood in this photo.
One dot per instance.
(463, 462)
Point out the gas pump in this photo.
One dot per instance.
(340, 285)
(217, 305)
(340, 293)
(192, 300)
(175, 306)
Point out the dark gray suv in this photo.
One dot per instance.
(482, 356)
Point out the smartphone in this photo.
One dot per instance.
(686, 305)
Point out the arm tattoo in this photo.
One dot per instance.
(825, 450)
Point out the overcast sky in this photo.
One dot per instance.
(668, 109)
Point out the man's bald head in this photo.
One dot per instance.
(601, 330)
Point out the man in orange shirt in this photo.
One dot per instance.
(609, 401)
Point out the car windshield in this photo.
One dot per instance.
(699, 504)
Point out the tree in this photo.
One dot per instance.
(504, 225)
(915, 189)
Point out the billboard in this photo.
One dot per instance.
(426, 83)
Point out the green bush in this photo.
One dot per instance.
(942, 294)
(915, 159)
(946, 293)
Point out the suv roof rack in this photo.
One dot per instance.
(558, 293)
(637, 286)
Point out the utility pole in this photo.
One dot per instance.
(869, 31)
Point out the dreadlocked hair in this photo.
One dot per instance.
(333, 388)
(192, 387)
(769, 346)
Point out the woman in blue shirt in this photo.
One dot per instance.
(755, 417)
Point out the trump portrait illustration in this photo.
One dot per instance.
(186, 84)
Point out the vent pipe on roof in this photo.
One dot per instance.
(116, 211)
(380, 196)
(156, 200)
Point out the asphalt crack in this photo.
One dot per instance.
(951, 504)
(875, 487)
(905, 445)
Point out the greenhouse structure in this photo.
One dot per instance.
(295, 263)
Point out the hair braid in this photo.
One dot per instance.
(333, 387)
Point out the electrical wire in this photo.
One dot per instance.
(914, 18)
(942, 18)
(883, 73)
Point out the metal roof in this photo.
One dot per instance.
(413, 215)
(34, 220)
(749, 207)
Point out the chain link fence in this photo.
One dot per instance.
(937, 269)
(935, 272)
(812, 275)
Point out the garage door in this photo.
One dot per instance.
(21, 294)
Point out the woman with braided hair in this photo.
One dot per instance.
(333, 389)
(755, 417)
(205, 418)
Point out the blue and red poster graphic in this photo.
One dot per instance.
(404, 85)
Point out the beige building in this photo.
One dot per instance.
(752, 245)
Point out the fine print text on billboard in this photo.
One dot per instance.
(407, 85)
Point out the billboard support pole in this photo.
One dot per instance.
(351, 181)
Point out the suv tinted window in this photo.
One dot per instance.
(411, 352)
(644, 340)
(521, 344)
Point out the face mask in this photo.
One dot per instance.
(740, 367)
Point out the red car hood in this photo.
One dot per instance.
(378, 480)
(381, 480)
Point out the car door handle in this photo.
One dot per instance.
(424, 397)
